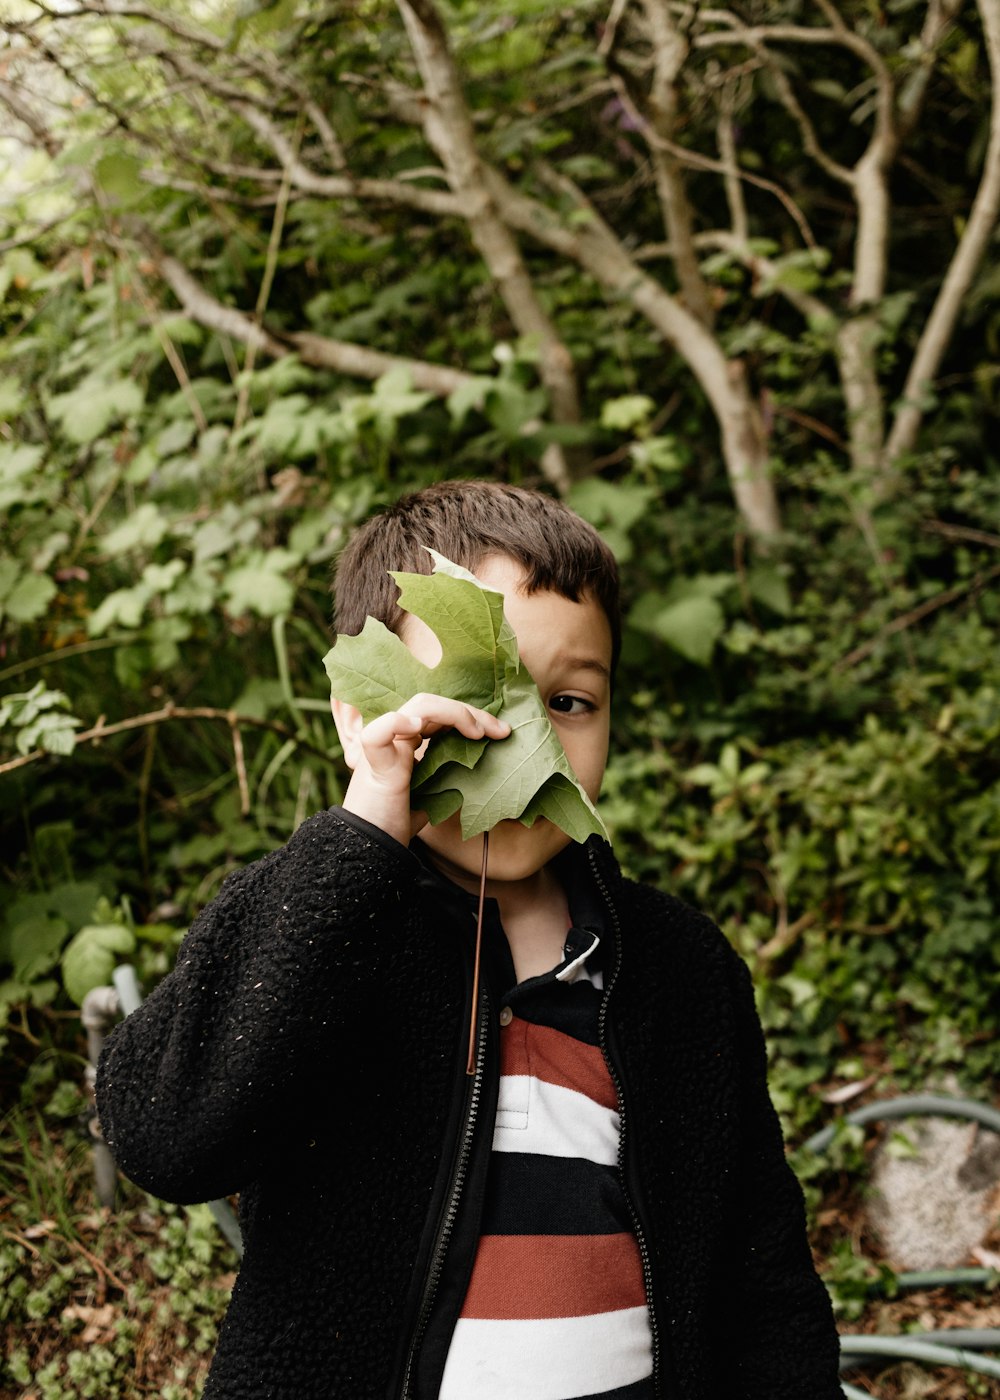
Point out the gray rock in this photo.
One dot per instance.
(932, 1206)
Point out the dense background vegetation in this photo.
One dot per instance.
(725, 279)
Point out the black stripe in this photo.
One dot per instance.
(528, 1194)
(639, 1390)
(570, 1007)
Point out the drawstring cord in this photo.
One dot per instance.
(470, 1064)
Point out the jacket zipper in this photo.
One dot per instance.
(449, 1212)
(647, 1272)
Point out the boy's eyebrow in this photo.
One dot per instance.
(585, 663)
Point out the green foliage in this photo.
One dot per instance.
(805, 736)
(71, 1335)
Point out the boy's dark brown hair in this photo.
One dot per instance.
(467, 521)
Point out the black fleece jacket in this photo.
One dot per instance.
(308, 1051)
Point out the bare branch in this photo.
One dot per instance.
(266, 282)
(670, 49)
(598, 250)
(25, 114)
(440, 202)
(319, 351)
(727, 153)
(449, 130)
(610, 35)
(940, 325)
(170, 711)
(806, 303)
(697, 161)
(940, 17)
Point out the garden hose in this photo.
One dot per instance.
(943, 1348)
(911, 1106)
(976, 1338)
(913, 1349)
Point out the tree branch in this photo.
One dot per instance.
(345, 186)
(669, 49)
(321, 352)
(103, 731)
(598, 250)
(940, 325)
(727, 153)
(449, 130)
(917, 614)
(697, 161)
(14, 103)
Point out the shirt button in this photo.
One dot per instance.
(506, 1016)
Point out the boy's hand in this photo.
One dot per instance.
(379, 790)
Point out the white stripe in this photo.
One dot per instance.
(552, 1121)
(571, 970)
(547, 1358)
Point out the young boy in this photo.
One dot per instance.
(603, 1209)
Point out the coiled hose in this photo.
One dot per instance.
(952, 1346)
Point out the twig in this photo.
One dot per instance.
(697, 161)
(615, 17)
(961, 532)
(20, 1239)
(169, 712)
(898, 624)
(786, 936)
(170, 351)
(98, 1265)
(266, 282)
(241, 767)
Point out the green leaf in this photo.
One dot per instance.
(260, 586)
(522, 777)
(20, 484)
(144, 529)
(89, 410)
(35, 942)
(624, 414)
(125, 606)
(691, 626)
(770, 587)
(13, 399)
(91, 955)
(29, 598)
(118, 175)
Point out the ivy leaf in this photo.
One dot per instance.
(522, 777)
(90, 957)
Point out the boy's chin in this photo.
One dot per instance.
(516, 852)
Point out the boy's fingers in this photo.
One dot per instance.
(441, 713)
(399, 733)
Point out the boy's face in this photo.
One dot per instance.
(566, 647)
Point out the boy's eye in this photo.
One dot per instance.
(570, 705)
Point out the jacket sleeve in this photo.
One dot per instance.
(200, 1087)
(788, 1346)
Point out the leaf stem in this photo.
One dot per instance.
(470, 1064)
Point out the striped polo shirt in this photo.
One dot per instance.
(555, 1306)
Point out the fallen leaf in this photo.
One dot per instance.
(988, 1258)
(38, 1231)
(99, 1323)
(845, 1092)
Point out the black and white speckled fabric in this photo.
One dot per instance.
(308, 1052)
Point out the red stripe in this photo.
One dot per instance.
(537, 1276)
(558, 1059)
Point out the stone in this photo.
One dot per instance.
(932, 1207)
